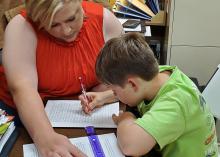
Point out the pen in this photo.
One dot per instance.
(83, 90)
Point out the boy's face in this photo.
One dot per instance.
(127, 94)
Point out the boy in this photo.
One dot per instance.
(175, 119)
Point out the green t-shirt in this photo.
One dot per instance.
(179, 119)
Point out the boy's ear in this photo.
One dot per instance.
(133, 82)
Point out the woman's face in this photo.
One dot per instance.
(67, 21)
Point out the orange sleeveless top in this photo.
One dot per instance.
(59, 65)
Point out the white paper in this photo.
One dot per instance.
(107, 141)
(68, 113)
(148, 31)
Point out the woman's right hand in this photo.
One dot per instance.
(57, 145)
(96, 99)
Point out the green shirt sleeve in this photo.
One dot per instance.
(164, 121)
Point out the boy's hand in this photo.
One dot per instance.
(57, 145)
(123, 116)
(96, 99)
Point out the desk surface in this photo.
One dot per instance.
(24, 138)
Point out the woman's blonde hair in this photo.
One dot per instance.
(42, 12)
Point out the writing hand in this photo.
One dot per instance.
(96, 99)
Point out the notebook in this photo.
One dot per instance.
(68, 113)
(107, 141)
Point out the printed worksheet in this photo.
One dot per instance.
(107, 141)
(68, 113)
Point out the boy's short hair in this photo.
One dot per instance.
(127, 55)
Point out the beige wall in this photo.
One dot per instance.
(193, 43)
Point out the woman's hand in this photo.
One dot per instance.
(96, 99)
(57, 145)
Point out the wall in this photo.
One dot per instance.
(194, 37)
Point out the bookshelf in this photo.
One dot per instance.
(160, 18)
(159, 27)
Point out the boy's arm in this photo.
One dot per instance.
(133, 140)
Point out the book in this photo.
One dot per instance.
(146, 30)
(136, 9)
(154, 5)
(124, 9)
(8, 133)
(108, 143)
(69, 113)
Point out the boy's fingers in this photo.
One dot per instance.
(121, 111)
(86, 110)
(91, 106)
(115, 118)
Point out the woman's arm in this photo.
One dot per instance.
(111, 25)
(19, 61)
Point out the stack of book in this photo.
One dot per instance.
(136, 9)
(8, 133)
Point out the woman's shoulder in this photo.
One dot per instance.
(20, 24)
(92, 8)
(19, 29)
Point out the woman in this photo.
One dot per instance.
(46, 49)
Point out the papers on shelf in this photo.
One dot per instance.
(68, 113)
(148, 31)
(107, 141)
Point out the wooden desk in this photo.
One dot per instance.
(24, 138)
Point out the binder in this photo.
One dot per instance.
(126, 11)
(143, 7)
(136, 9)
(10, 143)
(8, 132)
